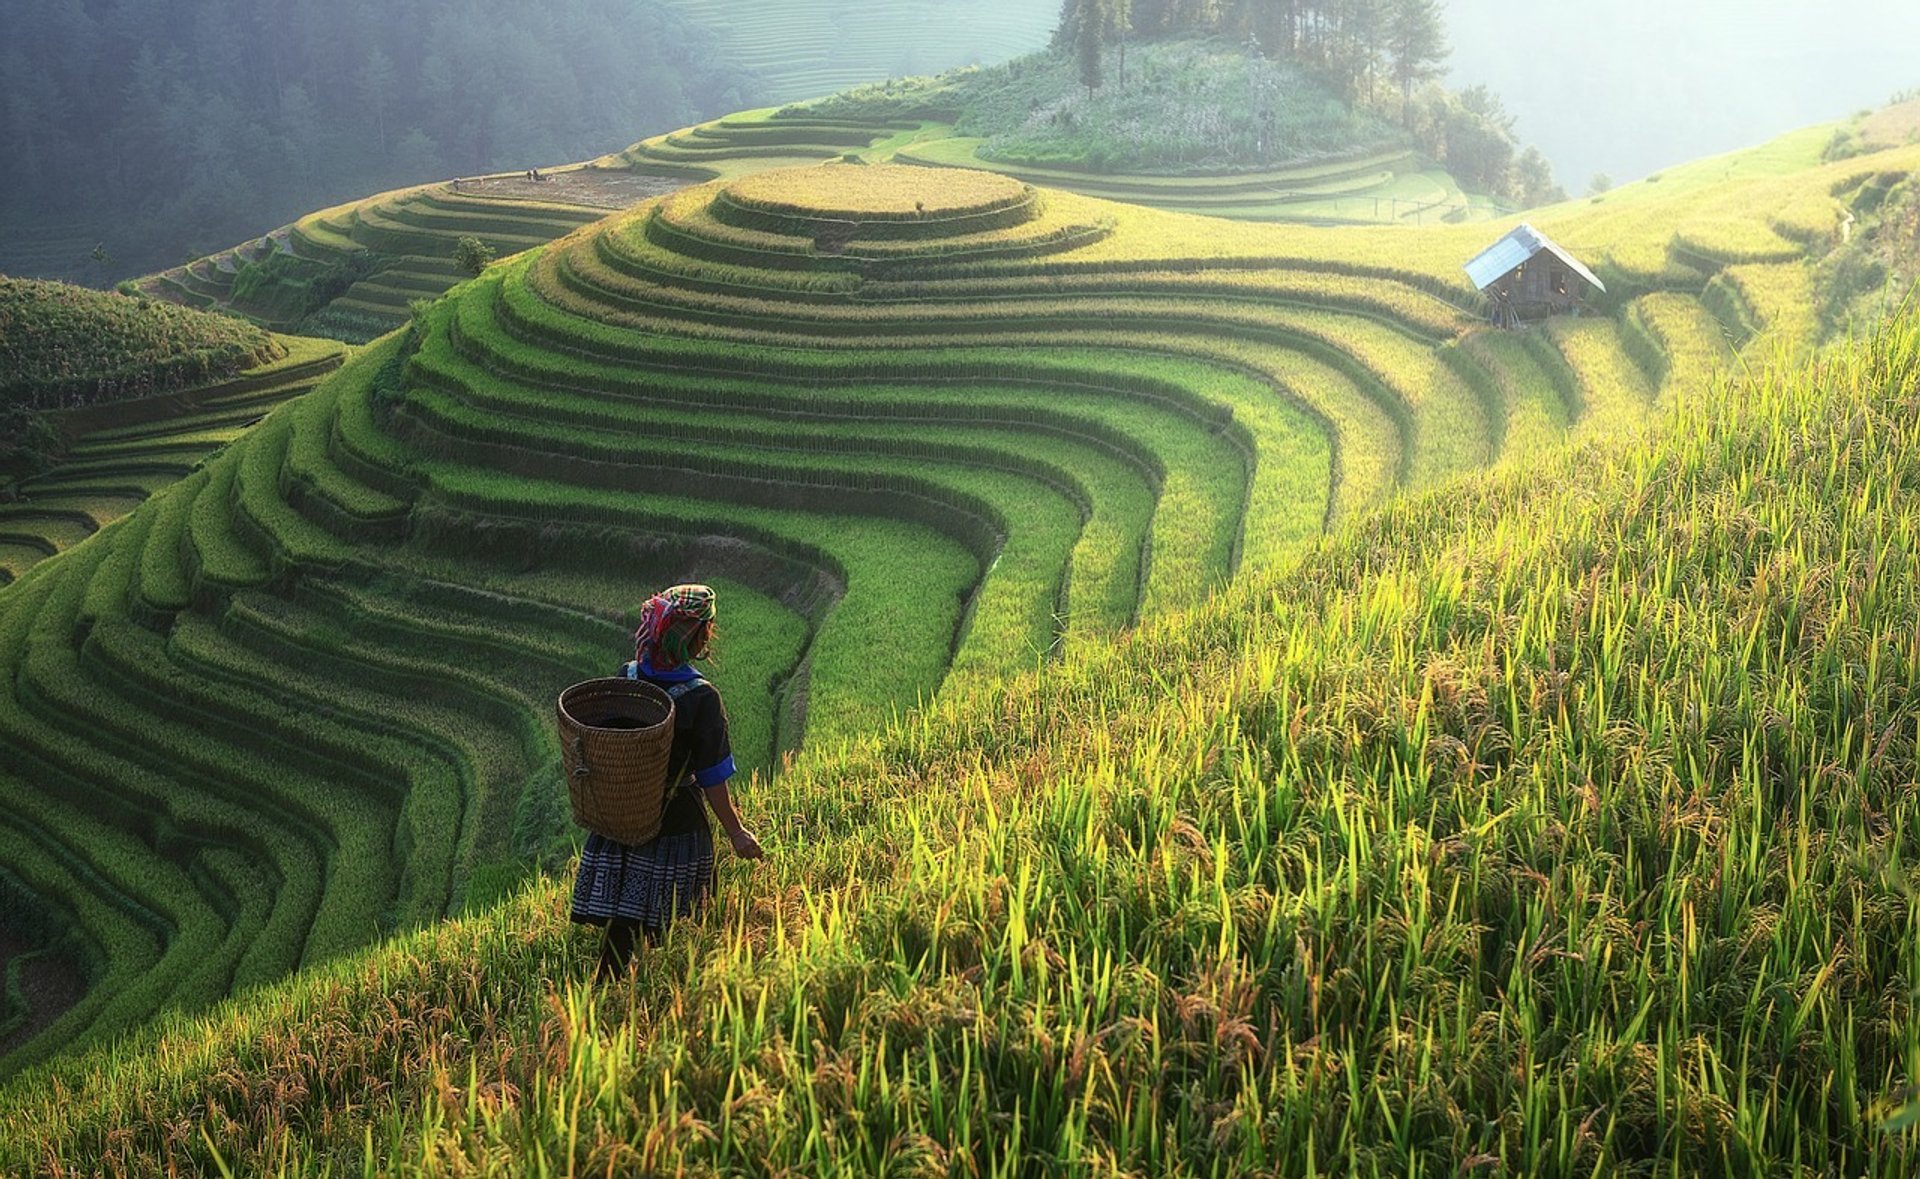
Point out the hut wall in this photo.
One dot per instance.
(1544, 285)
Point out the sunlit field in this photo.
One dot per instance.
(1213, 704)
(1503, 829)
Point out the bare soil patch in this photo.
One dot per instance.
(50, 983)
(591, 187)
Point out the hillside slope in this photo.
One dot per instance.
(1365, 184)
(1503, 832)
(157, 128)
(63, 346)
(298, 702)
(351, 271)
(68, 352)
(98, 463)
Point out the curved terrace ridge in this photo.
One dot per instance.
(994, 423)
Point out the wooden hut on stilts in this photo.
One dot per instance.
(1526, 275)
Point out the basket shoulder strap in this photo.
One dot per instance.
(675, 691)
(678, 774)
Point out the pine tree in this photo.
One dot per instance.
(377, 83)
(1152, 18)
(1417, 42)
(1533, 180)
(1067, 32)
(1368, 23)
(1119, 14)
(1088, 34)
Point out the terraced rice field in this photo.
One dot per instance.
(405, 239)
(806, 48)
(925, 432)
(123, 452)
(1893, 126)
(1379, 189)
(763, 140)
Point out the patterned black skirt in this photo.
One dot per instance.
(651, 884)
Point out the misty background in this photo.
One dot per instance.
(166, 129)
(1633, 86)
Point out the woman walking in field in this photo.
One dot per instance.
(635, 890)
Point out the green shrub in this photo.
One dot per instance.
(1185, 110)
(471, 255)
(28, 442)
(64, 346)
(274, 286)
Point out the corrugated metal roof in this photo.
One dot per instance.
(1510, 251)
(1502, 256)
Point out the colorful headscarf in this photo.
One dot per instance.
(674, 625)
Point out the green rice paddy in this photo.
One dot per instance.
(1220, 727)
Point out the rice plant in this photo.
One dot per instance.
(1505, 830)
(1178, 759)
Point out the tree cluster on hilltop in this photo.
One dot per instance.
(63, 347)
(187, 126)
(1382, 55)
(1356, 45)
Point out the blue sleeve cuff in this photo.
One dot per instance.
(717, 775)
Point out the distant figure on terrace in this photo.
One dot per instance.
(635, 890)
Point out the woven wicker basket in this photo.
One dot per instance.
(616, 738)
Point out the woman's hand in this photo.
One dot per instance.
(721, 803)
(744, 844)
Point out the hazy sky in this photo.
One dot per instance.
(1628, 87)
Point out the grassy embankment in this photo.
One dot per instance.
(64, 346)
(105, 399)
(351, 272)
(1560, 823)
(1046, 412)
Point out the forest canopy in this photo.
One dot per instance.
(183, 127)
(1361, 47)
(1380, 56)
